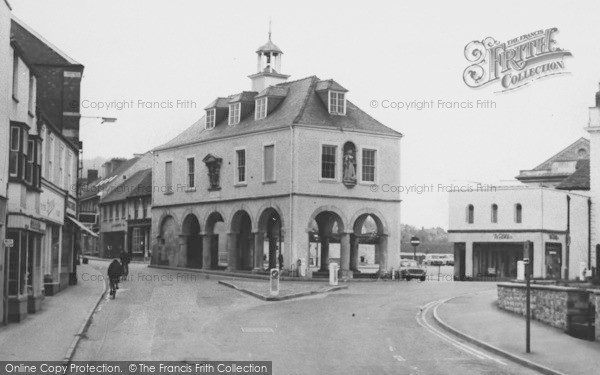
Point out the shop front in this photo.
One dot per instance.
(139, 237)
(52, 211)
(494, 255)
(25, 286)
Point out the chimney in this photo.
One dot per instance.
(115, 163)
(105, 169)
(92, 175)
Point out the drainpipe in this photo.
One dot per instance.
(589, 266)
(568, 239)
(291, 220)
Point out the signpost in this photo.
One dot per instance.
(415, 241)
(528, 267)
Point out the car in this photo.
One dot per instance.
(409, 269)
(435, 260)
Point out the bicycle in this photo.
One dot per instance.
(114, 285)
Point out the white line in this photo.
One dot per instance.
(451, 340)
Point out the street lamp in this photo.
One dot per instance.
(415, 241)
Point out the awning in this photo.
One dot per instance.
(82, 227)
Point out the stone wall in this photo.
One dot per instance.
(549, 304)
(595, 298)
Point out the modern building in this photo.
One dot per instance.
(113, 173)
(489, 229)
(125, 218)
(268, 173)
(6, 64)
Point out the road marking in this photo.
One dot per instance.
(459, 345)
(257, 330)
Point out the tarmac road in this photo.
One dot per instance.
(382, 327)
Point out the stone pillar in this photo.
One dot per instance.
(324, 254)
(181, 256)
(232, 250)
(469, 259)
(354, 253)
(345, 255)
(382, 249)
(259, 244)
(207, 251)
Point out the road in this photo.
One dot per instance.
(378, 328)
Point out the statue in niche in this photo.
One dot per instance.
(213, 164)
(349, 175)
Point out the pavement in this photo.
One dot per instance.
(477, 318)
(51, 334)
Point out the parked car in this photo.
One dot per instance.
(449, 259)
(435, 260)
(409, 269)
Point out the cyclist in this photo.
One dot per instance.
(114, 273)
(125, 259)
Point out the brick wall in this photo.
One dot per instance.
(549, 304)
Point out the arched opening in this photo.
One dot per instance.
(368, 245)
(269, 237)
(167, 241)
(324, 238)
(242, 242)
(214, 244)
(193, 241)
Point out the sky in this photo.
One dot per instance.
(382, 52)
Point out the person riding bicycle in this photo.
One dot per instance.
(125, 260)
(115, 270)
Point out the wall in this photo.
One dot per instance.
(224, 149)
(549, 304)
(595, 299)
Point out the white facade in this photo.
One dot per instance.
(547, 218)
(594, 130)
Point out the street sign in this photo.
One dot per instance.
(526, 260)
(415, 241)
(9, 242)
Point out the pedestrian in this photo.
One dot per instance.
(125, 259)
(114, 273)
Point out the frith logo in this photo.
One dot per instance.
(515, 63)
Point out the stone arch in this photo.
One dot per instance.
(214, 242)
(329, 208)
(164, 216)
(187, 213)
(376, 214)
(262, 215)
(270, 230)
(191, 240)
(240, 241)
(211, 217)
(167, 240)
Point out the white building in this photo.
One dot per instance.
(5, 63)
(269, 173)
(489, 229)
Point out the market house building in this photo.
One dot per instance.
(268, 173)
(551, 209)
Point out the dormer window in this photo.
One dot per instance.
(261, 108)
(337, 103)
(210, 118)
(234, 113)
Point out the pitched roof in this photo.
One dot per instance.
(269, 47)
(37, 48)
(580, 179)
(139, 184)
(570, 153)
(92, 189)
(301, 106)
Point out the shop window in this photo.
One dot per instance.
(494, 213)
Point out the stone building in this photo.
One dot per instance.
(268, 173)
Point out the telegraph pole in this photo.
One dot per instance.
(527, 262)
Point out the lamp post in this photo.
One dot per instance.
(415, 241)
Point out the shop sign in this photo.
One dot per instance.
(502, 236)
(553, 236)
(51, 206)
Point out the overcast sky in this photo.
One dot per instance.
(400, 51)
